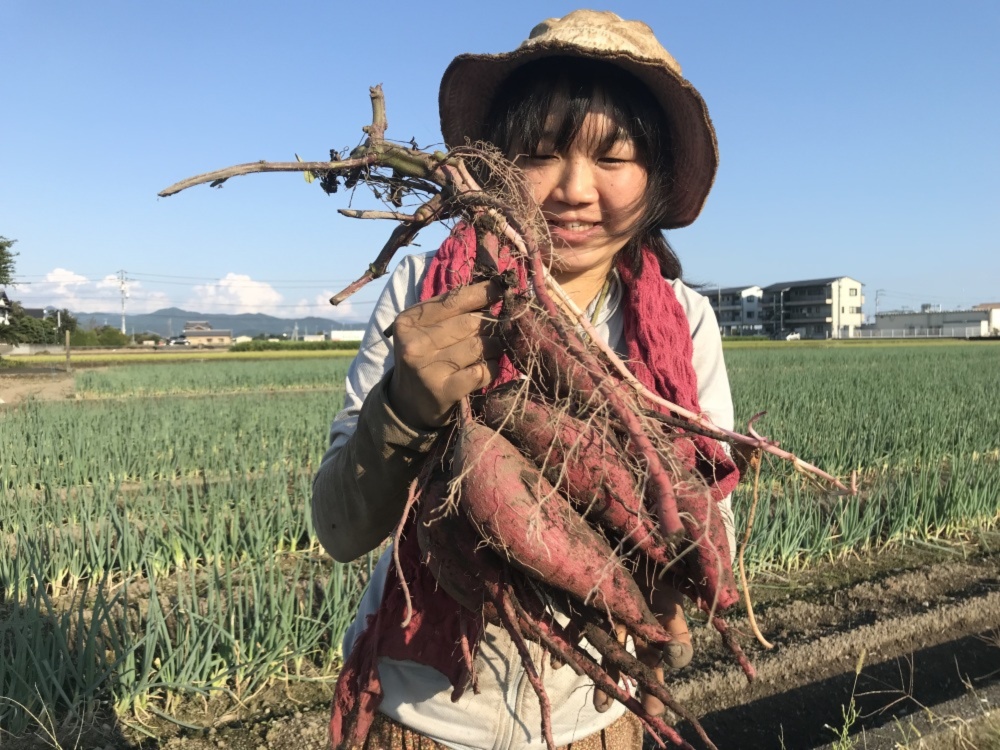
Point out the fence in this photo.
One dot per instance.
(951, 332)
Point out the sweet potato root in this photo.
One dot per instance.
(518, 513)
(582, 462)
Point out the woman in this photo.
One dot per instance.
(616, 146)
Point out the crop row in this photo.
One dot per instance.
(160, 547)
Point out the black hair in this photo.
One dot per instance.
(569, 88)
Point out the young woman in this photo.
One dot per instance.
(616, 147)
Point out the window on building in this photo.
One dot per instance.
(751, 298)
(842, 311)
(852, 292)
(749, 314)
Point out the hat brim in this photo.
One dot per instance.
(470, 83)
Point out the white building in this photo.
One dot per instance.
(347, 335)
(737, 308)
(814, 308)
(981, 321)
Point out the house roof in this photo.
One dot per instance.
(189, 334)
(807, 282)
(709, 291)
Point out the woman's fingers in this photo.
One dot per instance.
(457, 302)
(603, 701)
(668, 605)
(444, 349)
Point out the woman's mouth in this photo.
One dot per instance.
(572, 230)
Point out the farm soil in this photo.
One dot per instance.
(900, 633)
(45, 385)
(911, 636)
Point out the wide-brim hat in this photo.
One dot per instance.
(471, 81)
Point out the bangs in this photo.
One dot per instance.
(547, 101)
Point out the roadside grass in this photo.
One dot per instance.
(170, 355)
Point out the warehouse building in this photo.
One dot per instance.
(981, 321)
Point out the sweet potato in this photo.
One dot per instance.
(468, 572)
(582, 462)
(518, 513)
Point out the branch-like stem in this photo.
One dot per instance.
(754, 440)
(354, 213)
(221, 175)
(376, 131)
(401, 237)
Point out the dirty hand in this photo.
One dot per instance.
(444, 349)
(667, 604)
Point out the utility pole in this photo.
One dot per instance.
(878, 292)
(123, 287)
(718, 296)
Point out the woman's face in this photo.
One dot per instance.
(591, 196)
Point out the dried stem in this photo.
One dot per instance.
(720, 433)
(755, 462)
(401, 236)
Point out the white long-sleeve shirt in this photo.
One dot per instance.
(357, 502)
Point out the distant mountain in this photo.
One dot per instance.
(171, 320)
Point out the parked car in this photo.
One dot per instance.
(178, 341)
(793, 336)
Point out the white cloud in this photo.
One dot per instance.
(235, 293)
(64, 288)
(320, 307)
(232, 294)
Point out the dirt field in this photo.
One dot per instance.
(923, 625)
(45, 385)
(924, 628)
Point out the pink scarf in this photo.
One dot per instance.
(660, 349)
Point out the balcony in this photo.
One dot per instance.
(816, 300)
(791, 320)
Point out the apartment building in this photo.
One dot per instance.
(737, 309)
(814, 308)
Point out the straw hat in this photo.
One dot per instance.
(471, 81)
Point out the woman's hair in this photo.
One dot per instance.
(569, 88)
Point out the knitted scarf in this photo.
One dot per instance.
(659, 344)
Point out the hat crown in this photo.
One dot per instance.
(601, 33)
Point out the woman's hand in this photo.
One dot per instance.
(444, 349)
(668, 605)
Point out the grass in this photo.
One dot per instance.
(118, 357)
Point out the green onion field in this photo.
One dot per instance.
(158, 544)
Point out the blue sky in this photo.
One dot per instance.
(856, 138)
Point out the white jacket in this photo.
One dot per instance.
(505, 714)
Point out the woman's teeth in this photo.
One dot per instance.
(574, 226)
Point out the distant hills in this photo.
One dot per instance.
(170, 322)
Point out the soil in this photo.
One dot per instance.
(910, 638)
(40, 383)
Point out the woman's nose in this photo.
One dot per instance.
(576, 184)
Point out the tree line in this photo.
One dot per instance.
(24, 328)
